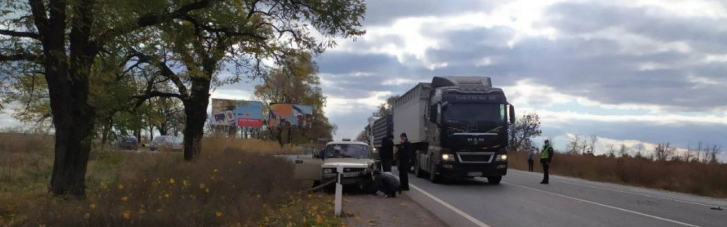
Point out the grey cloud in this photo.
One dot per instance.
(383, 12)
(590, 17)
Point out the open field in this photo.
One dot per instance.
(687, 177)
(235, 182)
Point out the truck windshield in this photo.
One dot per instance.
(474, 113)
(347, 151)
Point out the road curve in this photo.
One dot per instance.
(521, 201)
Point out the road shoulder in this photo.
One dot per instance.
(372, 210)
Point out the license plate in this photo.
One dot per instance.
(350, 174)
(474, 174)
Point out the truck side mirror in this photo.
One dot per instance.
(512, 114)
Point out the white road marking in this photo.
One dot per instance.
(447, 205)
(603, 205)
(627, 192)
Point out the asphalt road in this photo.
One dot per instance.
(521, 201)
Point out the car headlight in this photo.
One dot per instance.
(328, 170)
(447, 157)
(501, 157)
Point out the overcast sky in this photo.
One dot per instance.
(626, 71)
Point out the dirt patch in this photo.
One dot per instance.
(372, 210)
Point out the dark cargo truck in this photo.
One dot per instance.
(457, 126)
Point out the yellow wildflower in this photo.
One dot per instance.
(126, 214)
(125, 198)
(218, 214)
(121, 186)
(215, 170)
(201, 186)
(166, 195)
(185, 183)
(104, 185)
(92, 206)
(171, 180)
(207, 190)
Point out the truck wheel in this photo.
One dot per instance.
(494, 180)
(433, 175)
(417, 167)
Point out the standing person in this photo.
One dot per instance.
(386, 183)
(387, 152)
(403, 155)
(531, 159)
(546, 155)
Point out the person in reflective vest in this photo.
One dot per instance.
(546, 156)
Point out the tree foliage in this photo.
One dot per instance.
(296, 82)
(522, 132)
(82, 49)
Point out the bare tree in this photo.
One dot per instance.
(623, 151)
(521, 133)
(662, 152)
(591, 148)
(611, 151)
(714, 152)
(574, 144)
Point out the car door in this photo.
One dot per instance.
(307, 167)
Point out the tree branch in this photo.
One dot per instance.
(150, 20)
(39, 15)
(20, 57)
(20, 34)
(168, 73)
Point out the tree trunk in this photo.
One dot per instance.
(195, 108)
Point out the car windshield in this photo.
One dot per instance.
(347, 151)
(474, 113)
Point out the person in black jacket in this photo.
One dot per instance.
(386, 183)
(403, 155)
(546, 156)
(387, 152)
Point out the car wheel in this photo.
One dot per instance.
(494, 180)
(417, 167)
(433, 177)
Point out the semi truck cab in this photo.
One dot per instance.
(464, 128)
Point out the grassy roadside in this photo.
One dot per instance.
(235, 183)
(678, 176)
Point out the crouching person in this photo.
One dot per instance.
(386, 183)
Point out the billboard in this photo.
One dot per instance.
(223, 112)
(299, 116)
(249, 114)
(227, 112)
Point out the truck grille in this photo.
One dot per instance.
(475, 157)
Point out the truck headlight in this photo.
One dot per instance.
(329, 170)
(501, 157)
(447, 157)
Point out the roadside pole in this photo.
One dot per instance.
(339, 191)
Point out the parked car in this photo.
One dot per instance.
(166, 143)
(127, 143)
(355, 157)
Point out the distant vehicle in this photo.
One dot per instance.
(166, 143)
(355, 157)
(127, 143)
(458, 127)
